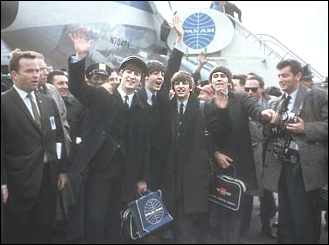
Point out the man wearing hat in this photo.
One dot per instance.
(114, 144)
(307, 77)
(206, 93)
(98, 74)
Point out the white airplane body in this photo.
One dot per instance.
(123, 28)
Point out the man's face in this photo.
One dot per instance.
(62, 85)
(287, 81)
(307, 82)
(154, 81)
(205, 96)
(237, 86)
(114, 79)
(182, 90)
(219, 81)
(252, 88)
(43, 72)
(27, 76)
(130, 79)
(99, 79)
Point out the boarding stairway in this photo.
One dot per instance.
(273, 48)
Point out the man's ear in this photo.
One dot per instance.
(298, 76)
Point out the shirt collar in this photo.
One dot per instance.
(149, 96)
(123, 95)
(23, 94)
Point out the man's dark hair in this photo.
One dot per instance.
(274, 91)
(182, 76)
(259, 79)
(242, 79)
(221, 69)
(50, 77)
(16, 56)
(295, 66)
(155, 65)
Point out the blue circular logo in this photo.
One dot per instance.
(153, 211)
(199, 30)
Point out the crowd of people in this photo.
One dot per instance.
(79, 143)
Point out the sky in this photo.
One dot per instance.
(300, 26)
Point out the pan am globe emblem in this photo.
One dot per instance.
(199, 30)
(153, 211)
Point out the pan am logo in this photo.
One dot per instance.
(199, 30)
(153, 211)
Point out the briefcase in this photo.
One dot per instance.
(226, 191)
(144, 216)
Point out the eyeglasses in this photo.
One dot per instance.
(252, 89)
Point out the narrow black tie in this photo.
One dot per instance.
(153, 100)
(285, 104)
(181, 111)
(126, 101)
(35, 111)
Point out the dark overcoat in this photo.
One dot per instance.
(193, 154)
(103, 109)
(238, 145)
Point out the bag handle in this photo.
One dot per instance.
(234, 170)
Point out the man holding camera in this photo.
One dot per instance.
(295, 165)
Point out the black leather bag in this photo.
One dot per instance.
(226, 191)
(144, 216)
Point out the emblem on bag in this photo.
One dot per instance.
(153, 211)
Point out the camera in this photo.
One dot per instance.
(285, 148)
(280, 129)
(284, 152)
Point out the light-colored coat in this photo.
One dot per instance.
(312, 145)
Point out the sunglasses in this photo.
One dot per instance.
(252, 89)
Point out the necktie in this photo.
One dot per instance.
(285, 104)
(181, 111)
(153, 100)
(126, 101)
(35, 110)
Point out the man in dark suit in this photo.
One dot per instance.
(187, 169)
(296, 164)
(236, 149)
(32, 153)
(155, 97)
(114, 143)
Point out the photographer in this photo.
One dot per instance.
(295, 165)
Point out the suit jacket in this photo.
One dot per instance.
(192, 155)
(23, 144)
(157, 118)
(238, 145)
(312, 145)
(103, 109)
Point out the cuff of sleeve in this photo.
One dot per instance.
(4, 187)
(179, 47)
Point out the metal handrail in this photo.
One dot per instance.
(263, 46)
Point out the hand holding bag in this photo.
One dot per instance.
(226, 191)
(144, 216)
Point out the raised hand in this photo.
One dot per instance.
(221, 98)
(202, 58)
(81, 44)
(179, 30)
